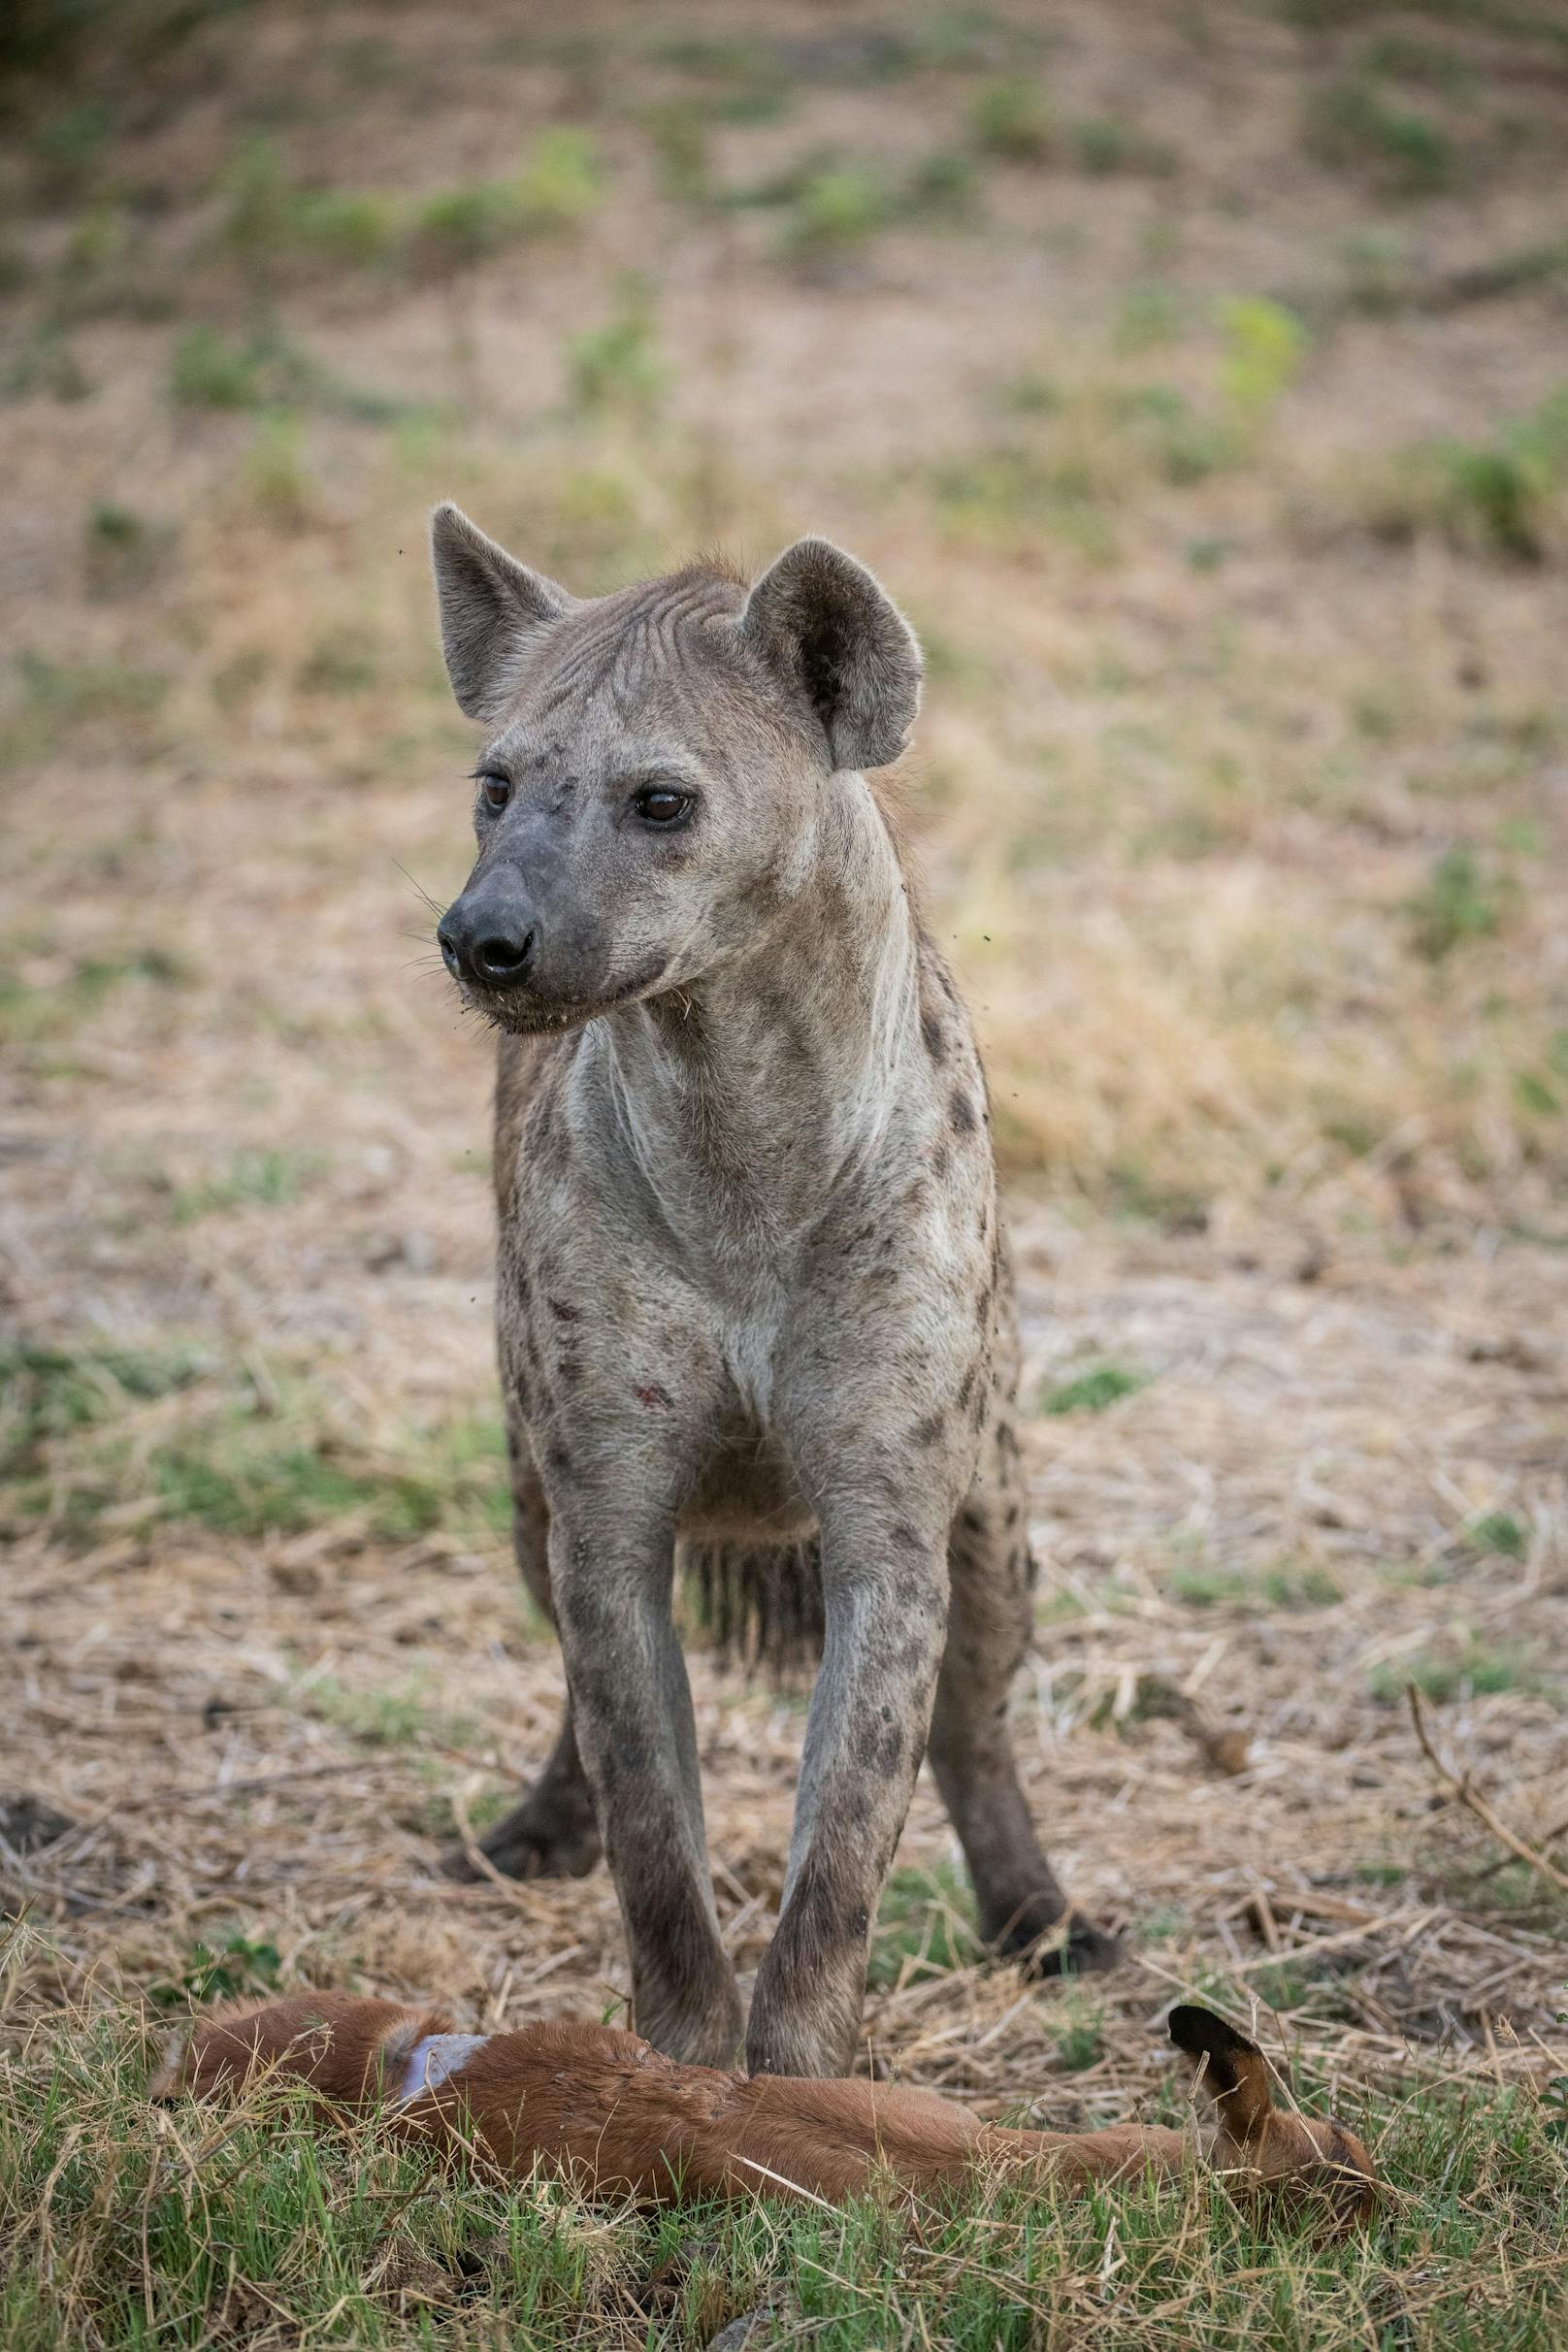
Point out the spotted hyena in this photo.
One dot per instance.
(753, 1293)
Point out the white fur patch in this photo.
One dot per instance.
(432, 2060)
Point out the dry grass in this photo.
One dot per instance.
(1209, 424)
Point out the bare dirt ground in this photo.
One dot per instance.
(1227, 485)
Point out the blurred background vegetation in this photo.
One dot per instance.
(1194, 374)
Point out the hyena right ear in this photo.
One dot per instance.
(491, 608)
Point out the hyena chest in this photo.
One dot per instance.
(747, 1486)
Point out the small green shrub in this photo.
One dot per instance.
(1107, 145)
(556, 189)
(1499, 1531)
(835, 211)
(1094, 1390)
(942, 190)
(208, 372)
(684, 150)
(618, 366)
(242, 1964)
(1263, 347)
(1350, 124)
(265, 1179)
(1460, 903)
(1011, 118)
(1474, 1670)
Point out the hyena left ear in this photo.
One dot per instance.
(1234, 2074)
(827, 629)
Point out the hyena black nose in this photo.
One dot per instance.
(487, 937)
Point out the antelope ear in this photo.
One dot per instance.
(826, 628)
(1234, 2073)
(491, 608)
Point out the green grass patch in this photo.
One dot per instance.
(1112, 145)
(1461, 903)
(49, 704)
(1092, 1391)
(290, 2228)
(34, 1011)
(1469, 1670)
(245, 1473)
(252, 1179)
(1506, 497)
(53, 1392)
(1290, 1585)
(240, 1964)
(1011, 118)
(401, 1716)
(556, 189)
(1079, 2036)
(1500, 1532)
(276, 225)
(617, 368)
(925, 1927)
(84, 1431)
(1350, 123)
(265, 369)
(838, 211)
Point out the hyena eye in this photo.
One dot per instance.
(661, 803)
(495, 791)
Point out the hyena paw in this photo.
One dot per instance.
(1042, 1949)
(536, 1840)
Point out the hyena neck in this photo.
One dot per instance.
(759, 1092)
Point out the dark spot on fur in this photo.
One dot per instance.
(558, 1459)
(652, 1395)
(929, 1432)
(879, 1752)
(563, 1313)
(966, 1389)
(1012, 1515)
(931, 1028)
(962, 1111)
(940, 1161)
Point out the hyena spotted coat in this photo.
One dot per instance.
(752, 1287)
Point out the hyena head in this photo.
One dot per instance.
(655, 778)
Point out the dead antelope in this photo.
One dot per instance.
(618, 2118)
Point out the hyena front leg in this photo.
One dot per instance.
(612, 1569)
(552, 1834)
(990, 1618)
(884, 1581)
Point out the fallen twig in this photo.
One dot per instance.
(1468, 1798)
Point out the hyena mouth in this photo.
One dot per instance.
(506, 1011)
